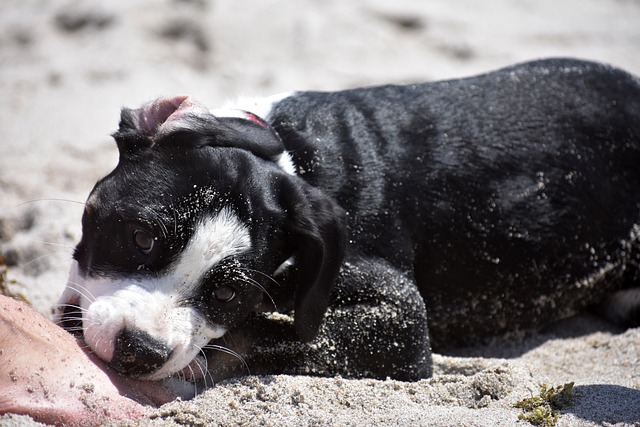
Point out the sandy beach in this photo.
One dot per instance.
(66, 68)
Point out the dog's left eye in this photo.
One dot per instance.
(224, 293)
(143, 240)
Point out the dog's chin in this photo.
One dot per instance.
(194, 372)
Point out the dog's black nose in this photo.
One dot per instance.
(137, 353)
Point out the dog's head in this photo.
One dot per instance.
(180, 242)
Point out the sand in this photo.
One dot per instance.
(67, 67)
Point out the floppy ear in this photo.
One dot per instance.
(248, 133)
(138, 127)
(182, 120)
(319, 229)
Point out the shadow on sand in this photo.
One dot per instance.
(509, 347)
(606, 404)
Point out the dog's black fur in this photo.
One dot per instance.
(425, 215)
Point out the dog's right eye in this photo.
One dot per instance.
(143, 240)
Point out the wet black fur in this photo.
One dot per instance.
(425, 215)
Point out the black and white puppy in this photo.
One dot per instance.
(349, 232)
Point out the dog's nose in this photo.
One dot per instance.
(137, 353)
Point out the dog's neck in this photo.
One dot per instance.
(238, 114)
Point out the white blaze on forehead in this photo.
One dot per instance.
(213, 240)
(156, 304)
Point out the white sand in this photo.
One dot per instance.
(61, 88)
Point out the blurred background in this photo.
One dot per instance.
(66, 68)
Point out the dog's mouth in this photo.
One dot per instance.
(69, 317)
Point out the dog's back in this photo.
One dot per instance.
(484, 186)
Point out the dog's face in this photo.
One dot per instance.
(181, 241)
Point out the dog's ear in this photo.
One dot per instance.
(182, 121)
(245, 131)
(318, 228)
(139, 127)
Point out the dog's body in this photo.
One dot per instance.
(504, 202)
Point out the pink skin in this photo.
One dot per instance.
(49, 375)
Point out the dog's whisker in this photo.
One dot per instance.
(72, 306)
(73, 318)
(163, 227)
(230, 340)
(202, 367)
(97, 338)
(76, 326)
(60, 245)
(82, 290)
(157, 218)
(253, 282)
(175, 220)
(73, 330)
(267, 276)
(229, 352)
(193, 378)
(50, 200)
(77, 313)
(211, 379)
(36, 259)
(192, 381)
(179, 375)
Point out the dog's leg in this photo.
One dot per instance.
(376, 327)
